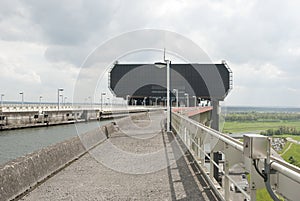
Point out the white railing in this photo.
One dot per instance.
(203, 141)
(65, 107)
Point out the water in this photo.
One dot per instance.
(16, 143)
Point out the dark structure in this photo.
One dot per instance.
(147, 83)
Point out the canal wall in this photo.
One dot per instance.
(37, 116)
(21, 174)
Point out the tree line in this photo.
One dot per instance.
(281, 130)
(257, 116)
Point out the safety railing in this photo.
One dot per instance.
(239, 176)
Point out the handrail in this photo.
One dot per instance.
(188, 130)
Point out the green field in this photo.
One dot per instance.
(256, 126)
(291, 151)
(292, 155)
(295, 137)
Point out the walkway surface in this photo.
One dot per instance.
(138, 162)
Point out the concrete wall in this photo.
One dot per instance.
(21, 174)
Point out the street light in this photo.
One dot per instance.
(187, 100)
(90, 98)
(41, 99)
(2, 99)
(108, 101)
(195, 98)
(102, 94)
(127, 100)
(161, 65)
(176, 92)
(22, 94)
(58, 93)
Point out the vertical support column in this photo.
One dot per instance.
(252, 184)
(215, 125)
(226, 180)
(202, 154)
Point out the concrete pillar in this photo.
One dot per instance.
(215, 125)
(226, 180)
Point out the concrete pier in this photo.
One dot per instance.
(27, 116)
(151, 165)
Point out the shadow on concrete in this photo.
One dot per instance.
(192, 180)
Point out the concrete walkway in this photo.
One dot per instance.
(139, 162)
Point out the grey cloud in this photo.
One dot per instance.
(70, 22)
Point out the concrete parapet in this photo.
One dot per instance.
(21, 174)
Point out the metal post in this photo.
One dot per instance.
(2, 99)
(22, 94)
(195, 98)
(41, 100)
(127, 100)
(58, 90)
(176, 92)
(65, 100)
(215, 125)
(187, 100)
(102, 94)
(226, 180)
(168, 97)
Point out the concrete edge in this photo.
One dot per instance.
(21, 174)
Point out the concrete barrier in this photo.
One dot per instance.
(19, 175)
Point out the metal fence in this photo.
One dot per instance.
(202, 142)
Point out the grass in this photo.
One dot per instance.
(287, 144)
(235, 127)
(263, 195)
(238, 127)
(295, 137)
(292, 155)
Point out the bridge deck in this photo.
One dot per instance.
(114, 169)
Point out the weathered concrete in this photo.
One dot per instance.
(103, 175)
(25, 172)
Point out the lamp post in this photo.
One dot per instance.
(108, 101)
(2, 99)
(127, 99)
(58, 94)
(187, 100)
(176, 92)
(102, 94)
(40, 100)
(91, 101)
(22, 94)
(195, 98)
(161, 65)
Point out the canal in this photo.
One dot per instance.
(16, 143)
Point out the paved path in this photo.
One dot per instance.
(139, 162)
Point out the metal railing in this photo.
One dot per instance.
(203, 141)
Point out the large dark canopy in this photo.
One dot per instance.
(147, 80)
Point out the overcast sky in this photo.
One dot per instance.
(43, 43)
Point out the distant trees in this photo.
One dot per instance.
(259, 116)
(281, 130)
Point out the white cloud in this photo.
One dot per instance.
(42, 43)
